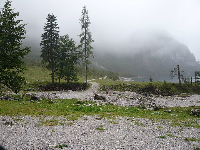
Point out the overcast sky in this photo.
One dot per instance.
(115, 21)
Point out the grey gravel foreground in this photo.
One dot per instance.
(90, 132)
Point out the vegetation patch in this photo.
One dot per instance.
(157, 88)
(51, 122)
(162, 137)
(74, 86)
(139, 124)
(70, 123)
(61, 146)
(113, 122)
(101, 128)
(170, 135)
(159, 127)
(191, 139)
(72, 110)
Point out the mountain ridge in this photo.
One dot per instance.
(156, 55)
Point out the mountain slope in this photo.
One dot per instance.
(154, 55)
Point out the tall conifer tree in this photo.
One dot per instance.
(86, 39)
(50, 45)
(12, 33)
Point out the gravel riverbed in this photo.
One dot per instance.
(93, 132)
(90, 132)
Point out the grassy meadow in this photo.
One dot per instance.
(72, 109)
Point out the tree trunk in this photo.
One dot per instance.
(179, 76)
(86, 73)
(52, 75)
(61, 71)
(86, 58)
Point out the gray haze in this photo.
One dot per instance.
(115, 22)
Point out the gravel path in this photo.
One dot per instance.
(69, 94)
(92, 132)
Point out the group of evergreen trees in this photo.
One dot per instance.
(59, 53)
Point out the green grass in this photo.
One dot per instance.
(101, 128)
(51, 122)
(192, 139)
(61, 146)
(170, 135)
(186, 139)
(37, 73)
(139, 124)
(113, 122)
(72, 109)
(160, 88)
(162, 137)
(42, 74)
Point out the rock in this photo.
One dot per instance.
(10, 123)
(98, 118)
(195, 112)
(35, 97)
(80, 101)
(6, 97)
(99, 97)
(155, 106)
(169, 111)
(30, 89)
(51, 101)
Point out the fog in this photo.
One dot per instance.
(115, 22)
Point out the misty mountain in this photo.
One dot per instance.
(149, 54)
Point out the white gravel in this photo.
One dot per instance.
(85, 133)
(92, 132)
(123, 98)
(134, 99)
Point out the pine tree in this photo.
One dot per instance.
(68, 57)
(49, 44)
(86, 39)
(12, 33)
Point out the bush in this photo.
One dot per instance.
(63, 86)
(157, 88)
